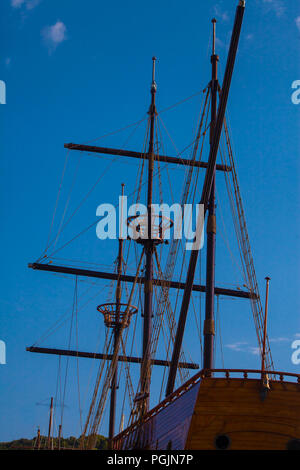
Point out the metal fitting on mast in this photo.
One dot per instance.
(153, 84)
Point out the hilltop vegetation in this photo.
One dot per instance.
(65, 443)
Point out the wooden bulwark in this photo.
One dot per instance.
(235, 408)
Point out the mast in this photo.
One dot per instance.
(113, 393)
(209, 328)
(263, 355)
(265, 386)
(149, 249)
(38, 440)
(206, 190)
(59, 437)
(50, 425)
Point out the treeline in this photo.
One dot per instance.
(65, 443)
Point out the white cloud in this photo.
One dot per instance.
(240, 346)
(253, 350)
(279, 340)
(243, 347)
(219, 12)
(54, 34)
(277, 6)
(297, 20)
(224, 44)
(219, 43)
(17, 3)
(29, 4)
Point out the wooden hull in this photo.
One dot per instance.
(235, 408)
(222, 413)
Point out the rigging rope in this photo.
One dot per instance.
(245, 250)
(69, 345)
(97, 409)
(170, 264)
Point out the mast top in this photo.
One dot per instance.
(214, 21)
(122, 208)
(153, 84)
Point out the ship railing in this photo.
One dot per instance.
(274, 376)
(245, 374)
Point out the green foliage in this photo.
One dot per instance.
(65, 443)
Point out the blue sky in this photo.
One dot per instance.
(75, 71)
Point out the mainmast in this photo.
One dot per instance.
(209, 328)
(149, 249)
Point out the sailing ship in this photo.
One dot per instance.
(215, 408)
